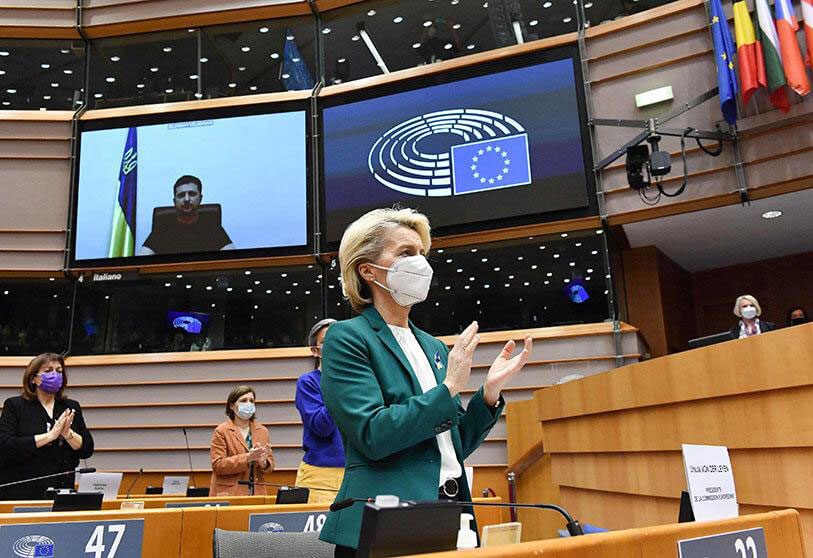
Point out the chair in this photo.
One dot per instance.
(210, 212)
(234, 544)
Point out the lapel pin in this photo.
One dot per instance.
(438, 363)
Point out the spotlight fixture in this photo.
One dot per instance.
(772, 214)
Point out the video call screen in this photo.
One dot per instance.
(496, 146)
(200, 186)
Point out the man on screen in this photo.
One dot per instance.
(189, 231)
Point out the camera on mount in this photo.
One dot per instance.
(658, 163)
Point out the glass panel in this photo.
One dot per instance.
(204, 63)
(34, 316)
(409, 34)
(233, 309)
(41, 74)
(534, 282)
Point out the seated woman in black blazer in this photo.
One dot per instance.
(747, 309)
(41, 432)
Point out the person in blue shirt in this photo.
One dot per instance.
(322, 467)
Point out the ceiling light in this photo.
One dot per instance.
(533, 22)
(547, 4)
(564, 235)
(556, 255)
(447, 287)
(46, 97)
(567, 280)
(12, 91)
(520, 258)
(154, 69)
(416, 45)
(289, 37)
(249, 290)
(447, 46)
(55, 84)
(188, 286)
(547, 282)
(549, 274)
(274, 55)
(285, 76)
(578, 244)
(208, 287)
(241, 69)
(772, 214)
(114, 58)
(2, 72)
(233, 85)
(65, 51)
(204, 60)
(98, 95)
(179, 276)
(229, 289)
(45, 66)
(193, 76)
(263, 29)
(169, 90)
(326, 30)
(198, 95)
(470, 47)
(340, 61)
(427, 23)
(599, 231)
(167, 284)
(140, 86)
(496, 269)
(534, 266)
(67, 72)
(588, 5)
(484, 260)
(572, 264)
(397, 19)
(459, 270)
(456, 26)
(167, 49)
(4, 53)
(267, 291)
(6, 103)
(355, 38)
(110, 79)
(245, 48)
(594, 252)
(283, 275)
(253, 88)
(371, 13)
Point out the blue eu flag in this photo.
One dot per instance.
(44, 551)
(491, 164)
(724, 52)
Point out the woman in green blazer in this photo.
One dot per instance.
(393, 389)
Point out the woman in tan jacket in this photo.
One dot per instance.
(240, 448)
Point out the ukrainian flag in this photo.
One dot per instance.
(122, 235)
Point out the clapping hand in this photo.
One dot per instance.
(66, 427)
(504, 368)
(256, 453)
(59, 428)
(458, 366)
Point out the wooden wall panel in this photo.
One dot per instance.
(778, 284)
(643, 291)
(523, 428)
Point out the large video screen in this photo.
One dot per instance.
(476, 149)
(212, 187)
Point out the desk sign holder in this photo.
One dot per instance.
(710, 480)
(287, 522)
(749, 543)
(97, 539)
(175, 486)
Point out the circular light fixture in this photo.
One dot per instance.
(12, 91)
(193, 76)
(245, 48)
(170, 90)
(67, 72)
(397, 19)
(114, 58)
(547, 4)
(140, 86)
(263, 29)
(55, 84)
(371, 13)
(45, 66)
(427, 23)
(470, 47)
(274, 55)
(567, 19)
(326, 30)
(4, 53)
(448, 46)
(341, 60)
(153, 69)
(204, 60)
(286, 76)
(253, 88)
(232, 85)
(167, 49)
(98, 95)
(416, 45)
(110, 79)
(354, 38)
(533, 22)
(772, 214)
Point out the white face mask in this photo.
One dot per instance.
(749, 312)
(245, 410)
(408, 280)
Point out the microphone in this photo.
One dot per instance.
(573, 526)
(347, 502)
(61, 474)
(132, 484)
(189, 455)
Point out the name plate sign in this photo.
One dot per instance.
(710, 480)
(195, 504)
(749, 543)
(79, 539)
(287, 522)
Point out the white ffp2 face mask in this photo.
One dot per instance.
(749, 312)
(408, 280)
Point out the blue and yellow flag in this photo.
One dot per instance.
(122, 236)
(724, 52)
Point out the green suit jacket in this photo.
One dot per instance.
(388, 424)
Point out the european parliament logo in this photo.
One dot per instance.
(488, 151)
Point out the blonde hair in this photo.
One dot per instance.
(363, 241)
(750, 299)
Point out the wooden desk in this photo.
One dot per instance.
(783, 537)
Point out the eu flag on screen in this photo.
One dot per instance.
(724, 52)
(295, 72)
(491, 164)
(122, 235)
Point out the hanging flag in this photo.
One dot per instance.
(724, 60)
(765, 33)
(749, 53)
(807, 16)
(294, 72)
(786, 27)
(122, 236)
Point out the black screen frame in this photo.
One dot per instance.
(203, 113)
(438, 78)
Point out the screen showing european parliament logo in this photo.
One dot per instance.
(198, 186)
(496, 146)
